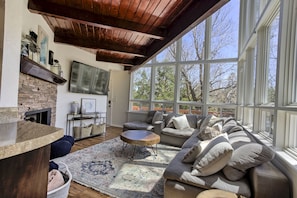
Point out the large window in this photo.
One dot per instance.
(223, 83)
(271, 70)
(164, 83)
(191, 82)
(197, 70)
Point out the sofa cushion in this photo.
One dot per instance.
(245, 157)
(181, 172)
(214, 155)
(192, 120)
(204, 123)
(138, 125)
(158, 116)
(150, 116)
(191, 140)
(181, 122)
(183, 133)
(228, 125)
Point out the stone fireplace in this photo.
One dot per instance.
(36, 96)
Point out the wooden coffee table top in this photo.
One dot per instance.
(140, 137)
(216, 193)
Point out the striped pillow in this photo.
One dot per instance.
(244, 157)
(214, 155)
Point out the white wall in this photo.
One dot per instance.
(11, 53)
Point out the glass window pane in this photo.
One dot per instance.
(184, 109)
(139, 106)
(191, 82)
(223, 83)
(214, 111)
(228, 112)
(193, 44)
(163, 107)
(141, 87)
(164, 83)
(168, 54)
(224, 34)
(189, 109)
(273, 46)
(221, 111)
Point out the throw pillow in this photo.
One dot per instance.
(213, 157)
(209, 133)
(205, 122)
(214, 120)
(168, 120)
(245, 157)
(150, 116)
(181, 122)
(191, 155)
(158, 116)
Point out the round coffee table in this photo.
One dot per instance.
(216, 193)
(140, 138)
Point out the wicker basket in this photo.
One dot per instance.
(62, 191)
(98, 129)
(81, 132)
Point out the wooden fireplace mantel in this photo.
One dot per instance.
(32, 68)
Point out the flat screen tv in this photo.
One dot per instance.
(88, 79)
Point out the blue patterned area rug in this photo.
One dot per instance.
(107, 167)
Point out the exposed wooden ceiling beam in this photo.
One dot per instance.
(106, 58)
(69, 13)
(195, 14)
(68, 38)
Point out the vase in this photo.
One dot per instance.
(74, 107)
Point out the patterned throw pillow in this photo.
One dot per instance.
(191, 155)
(213, 157)
(209, 133)
(169, 121)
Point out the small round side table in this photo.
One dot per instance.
(216, 193)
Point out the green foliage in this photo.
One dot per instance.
(141, 87)
(164, 83)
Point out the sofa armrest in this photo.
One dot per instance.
(158, 126)
(268, 181)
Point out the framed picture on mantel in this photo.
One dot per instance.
(42, 42)
(88, 105)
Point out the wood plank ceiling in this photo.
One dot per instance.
(128, 32)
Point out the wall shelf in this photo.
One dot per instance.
(30, 67)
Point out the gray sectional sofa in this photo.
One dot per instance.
(232, 161)
(215, 153)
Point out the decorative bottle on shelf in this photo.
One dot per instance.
(56, 68)
(74, 107)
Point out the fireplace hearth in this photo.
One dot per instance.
(42, 116)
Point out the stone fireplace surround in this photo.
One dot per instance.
(35, 94)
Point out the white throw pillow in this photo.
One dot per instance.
(181, 122)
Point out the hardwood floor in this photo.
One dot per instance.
(76, 190)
